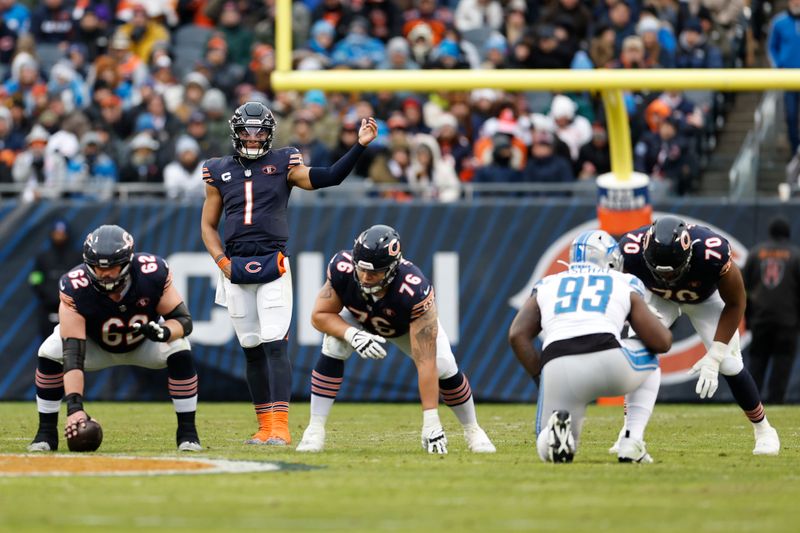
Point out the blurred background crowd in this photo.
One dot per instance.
(97, 93)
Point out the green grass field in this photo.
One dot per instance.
(374, 476)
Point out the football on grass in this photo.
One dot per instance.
(88, 438)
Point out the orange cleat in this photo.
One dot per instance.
(280, 429)
(264, 432)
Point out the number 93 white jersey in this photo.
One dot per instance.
(583, 300)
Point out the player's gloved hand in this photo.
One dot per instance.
(433, 437)
(153, 331)
(78, 418)
(366, 344)
(708, 367)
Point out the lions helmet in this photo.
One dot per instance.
(377, 249)
(667, 249)
(256, 121)
(105, 247)
(596, 247)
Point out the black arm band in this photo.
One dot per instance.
(74, 353)
(74, 403)
(181, 315)
(333, 175)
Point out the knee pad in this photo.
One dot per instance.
(336, 348)
(249, 340)
(730, 366)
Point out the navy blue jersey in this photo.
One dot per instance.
(407, 297)
(255, 193)
(110, 323)
(711, 259)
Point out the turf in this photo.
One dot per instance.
(374, 476)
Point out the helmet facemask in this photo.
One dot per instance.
(252, 123)
(668, 256)
(389, 273)
(108, 246)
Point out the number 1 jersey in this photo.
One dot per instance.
(584, 300)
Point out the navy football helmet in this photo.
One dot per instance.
(253, 118)
(668, 249)
(377, 249)
(105, 247)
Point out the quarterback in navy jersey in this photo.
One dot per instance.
(110, 314)
(252, 188)
(372, 294)
(689, 270)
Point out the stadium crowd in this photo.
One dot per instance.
(98, 92)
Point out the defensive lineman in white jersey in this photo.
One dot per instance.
(580, 314)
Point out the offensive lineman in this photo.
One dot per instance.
(689, 269)
(386, 296)
(252, 188)
(581, 313)
(109, 315)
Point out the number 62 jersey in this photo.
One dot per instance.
(711, 259)
(407, 297)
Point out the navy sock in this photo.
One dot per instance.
(49, 382)
(280, 374)
(455, 390)
(257, 380)
(745, 392)
(326, 379)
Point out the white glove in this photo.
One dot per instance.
(708, 367)
(433, 438)
(366, 344)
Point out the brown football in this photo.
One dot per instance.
(88, 438)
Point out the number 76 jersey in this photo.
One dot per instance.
(407, 297)
(584, 300)
(711, 259)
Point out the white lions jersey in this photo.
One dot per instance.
(585, 300)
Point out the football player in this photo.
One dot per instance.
(581, 313)
(372, 294)
(110, 314)
(252, 188)
(688, 269)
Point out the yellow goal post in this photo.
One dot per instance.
(609, 82)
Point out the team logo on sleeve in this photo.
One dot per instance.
(684, 352)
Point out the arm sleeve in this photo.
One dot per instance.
(335, 174)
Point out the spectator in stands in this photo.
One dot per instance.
(621, 21)
(454, 146)
(215, 108)
(259, 72)
(8, 46)
(320, 43)
(336, 13)
(358, 49)
(10, 138)
(668, 158)
(314, 151)
(447, 55)
(93, 28)
(143, 166)
(601, 47)
(421, 39)
(495, 52)
(632, 54)
(221, 73)
(515, 24)
(16, 15)
(784, 52)
(426, 12)
(500, 168)
(66, 85)
(238, 37)
(694, 50)
(573, 10)
(129, 70)
(655, 56)
(478, 15)
(43, 172)
(429, 176)
(544, 165)
(48, 267)
(772, 279)
(183, 177)
(24, 77)
(573, 129)
(594, 158)
(143, 32)
(51, 23)
(93, 166)
(549, 51)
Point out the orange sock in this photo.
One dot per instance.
(264, 426)
(280, 426)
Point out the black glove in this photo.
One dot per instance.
(153, 331)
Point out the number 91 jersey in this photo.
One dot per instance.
(110, 323)
(711, 259)
(584, 300)
(407, 297)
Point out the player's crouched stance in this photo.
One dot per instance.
(388, 297)
(581, 313)
(110, 312)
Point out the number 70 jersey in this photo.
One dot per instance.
(584, 300)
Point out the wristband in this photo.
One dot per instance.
(222, 262)
(74, 403)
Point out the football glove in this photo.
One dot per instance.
(366, 344)
(153, 331)
(708, 367)
(434, 440)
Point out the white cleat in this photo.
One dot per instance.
(189, 446)
(614, 450)
(477, 440)
(633, 451)
(40, 446)
(767, 442)
(313, 440)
